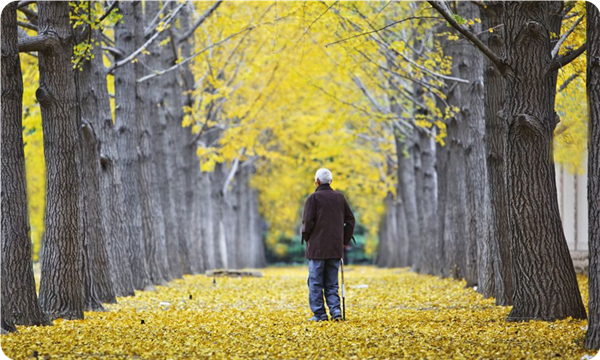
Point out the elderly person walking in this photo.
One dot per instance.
(327, 226)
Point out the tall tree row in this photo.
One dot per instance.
(499, 223)
(124, 195)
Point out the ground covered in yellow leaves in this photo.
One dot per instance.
(390, 314)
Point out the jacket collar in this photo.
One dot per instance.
(323, 187)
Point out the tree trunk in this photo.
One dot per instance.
(455, 230)
(405, 153)
(545, 283)
(95, 107)
(442, 155)
(592, 339)
(388, 239)
(19, 299)
(127, 143)
(153, 221)
(191, 165)
(480, 265)
(427, 203)
(162, 101)
(61, 286)
(494, 98)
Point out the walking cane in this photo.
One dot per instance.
(343, 293)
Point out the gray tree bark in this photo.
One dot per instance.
(61, 285)
(406, 153)
(19, 299)
(480, 263)
(427, 203)
(494, 98)
(93, 97)
(442, 155)
(545, 283)
(127, 143)
(592, 339)
(455, 226)
(162, 100)
(153, 221)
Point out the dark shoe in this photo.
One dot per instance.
(336, 317)
(316, 319)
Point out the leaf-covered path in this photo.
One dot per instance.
(391, 314)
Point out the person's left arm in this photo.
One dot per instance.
(309, 215)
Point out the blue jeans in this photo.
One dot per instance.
(323, 278)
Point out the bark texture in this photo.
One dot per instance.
(406, 153)
(592, 339)
(494, 98)
(19, 299)
(133, 272)
(94, 106)
(545, 283)
(480, 264)
(161, 99)
(455, 222)
(61, 285)
(153, 221)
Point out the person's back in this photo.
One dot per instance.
(327, 225)
(325, 213)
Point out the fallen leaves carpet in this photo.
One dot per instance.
(391, 313)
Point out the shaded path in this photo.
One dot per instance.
(397, 314)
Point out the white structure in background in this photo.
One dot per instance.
(572, 201)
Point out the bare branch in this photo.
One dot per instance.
(565, 59)
(27, 25)
(117, 53)
(564, 37)
(441, 7)
(107, 12)
(161, 72)
(383, 28)
(234, 168)
(199, 22)
(150, 27)
(430, 72)
(32, 16)
(566, 83)
(147, 43)
(25, 3)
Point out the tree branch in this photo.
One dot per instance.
(564, 37)
(107, 12)
(565, 59)
(41, 42)
(567, 82)
(199, 22)
(27, 25)
(174, 67)
(25, 3)
(147, 43)
(441, 7)
(32, 16)
(383, 28)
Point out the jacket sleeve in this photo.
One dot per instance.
(348, 223)
(309, 215)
